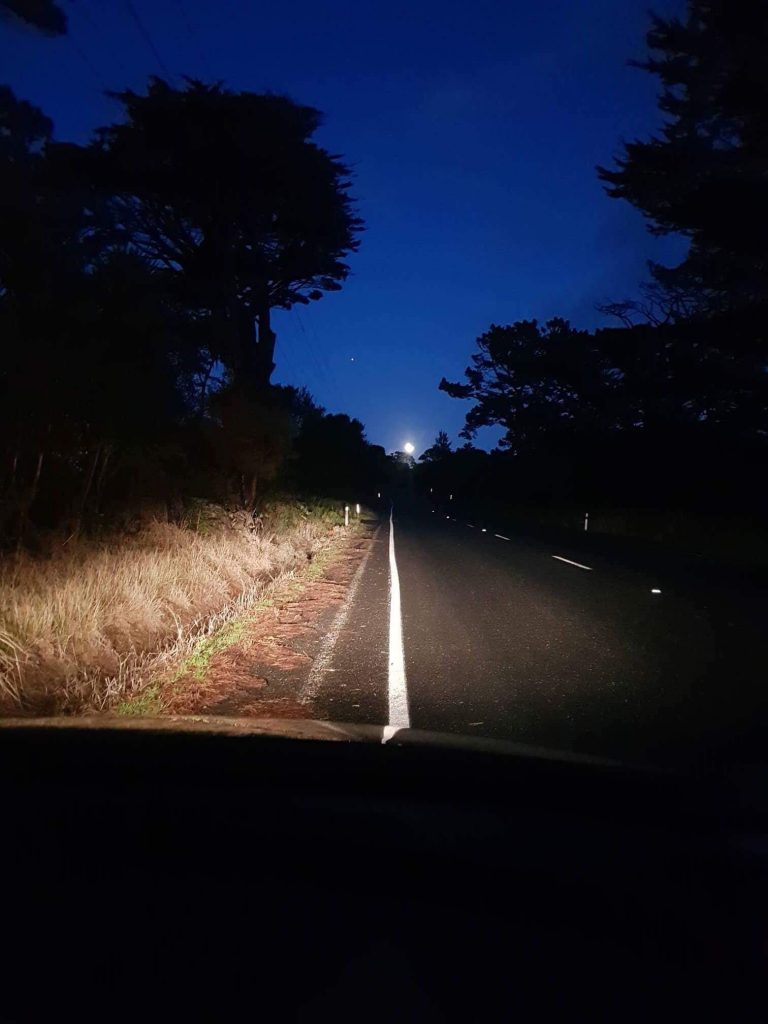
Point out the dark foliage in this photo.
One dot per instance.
(440, 450)
(670, 410)
(131, 275)
(228, 195)
(704, 175)
(646, 414)
(535, 380)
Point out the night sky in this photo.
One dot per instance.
(473, 129)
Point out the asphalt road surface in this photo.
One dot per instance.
(571, 645)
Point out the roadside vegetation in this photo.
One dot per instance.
(161, 680)
(85, 627)
(142, 441)
(658, 424)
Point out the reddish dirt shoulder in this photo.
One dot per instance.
(262, 672)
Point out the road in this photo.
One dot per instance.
(563, 645)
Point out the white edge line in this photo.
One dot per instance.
(577, 564)
(501, 536)
(399, 717)
(325, 655)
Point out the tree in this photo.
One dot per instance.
(130, 376)
(251, 435)
(97, 357)
(334, 457)
(39, 271)
(231, 196)
(536, 382)
(705, 175)
(440, 450)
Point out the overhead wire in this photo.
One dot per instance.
(81, 53)
(147, 37)
(194, 37)
(286, 356)
(328, 366)
(320, 369)
(82, 8)
(309, 359)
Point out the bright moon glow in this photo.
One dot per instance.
(409, 448)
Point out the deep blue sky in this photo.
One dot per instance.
(473, 128)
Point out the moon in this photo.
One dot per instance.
(409, 448)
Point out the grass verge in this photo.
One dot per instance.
(189, 661)
(86, 628)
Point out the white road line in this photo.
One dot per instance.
(501, 536)
(577, 564)
(470, 526)
(398, 691)
(324, 657)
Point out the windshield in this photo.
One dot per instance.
(397, 367)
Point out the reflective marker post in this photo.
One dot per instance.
(357, 510)
(586, 521)
(346, 515)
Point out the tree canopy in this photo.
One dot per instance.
(131, 274)
(705, 174)
(440, 449)
(534, 379)
(673, 403)
(228, 194)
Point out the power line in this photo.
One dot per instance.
(323, 356)
(83, 11)
(290, 364)
(322, 371)
(86, 60)
(147, 38)
(309, 356)
(194, 36)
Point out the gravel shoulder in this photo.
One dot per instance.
(258, 664)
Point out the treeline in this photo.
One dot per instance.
(138, 275)
(669, 409)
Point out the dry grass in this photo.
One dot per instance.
(82, 628)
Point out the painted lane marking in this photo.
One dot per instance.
(399, 717)
(323, 660)
(501, 536)
(577, 564)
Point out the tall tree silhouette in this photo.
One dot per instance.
(705, 175)
(128, 277)
(441, 449)
(40, 268)
(537, 382)
(231, 196)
